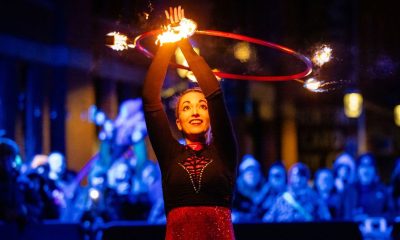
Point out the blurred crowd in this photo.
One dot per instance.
(123, 184)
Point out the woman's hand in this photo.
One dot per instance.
(179, 27)
(175, 15)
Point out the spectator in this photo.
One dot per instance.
(344, 170)
(12, 204)
(299, 203)
(324, 186)
(275, 186)
(249, 184)
(372, 197)
(395, 190)
(127, 197)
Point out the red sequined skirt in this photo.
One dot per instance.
(200, 223)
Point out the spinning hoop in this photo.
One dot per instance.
(281, 48)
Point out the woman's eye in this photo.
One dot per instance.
(185, 108)
(204, 107)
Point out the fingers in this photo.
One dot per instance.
(176, 14)
(166, 14)
(180, 12)
(171, 14)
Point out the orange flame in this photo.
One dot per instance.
(186, 28)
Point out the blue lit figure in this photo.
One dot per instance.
(127, 130)
(122, 139)
(395, 189)
(299, 203)
(124, 199)
(60, 178)
(12, 202)
(324, 186)
(249, 183)
(90, 203)
(372, 197)
(345, 176)
(275, 186)
(395, 195)
(151, 176)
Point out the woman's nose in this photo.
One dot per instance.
(195, 112)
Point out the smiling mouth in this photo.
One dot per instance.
(196, 121)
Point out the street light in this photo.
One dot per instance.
(353, 104)
(397, 115)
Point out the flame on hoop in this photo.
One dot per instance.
(315, 85)
(186, 28)
(119, 42)
(322, 55)
(312, 84)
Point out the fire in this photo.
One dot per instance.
(186, 28)
(316, 85)
(322, 55)
(312, 84)
(119, 41)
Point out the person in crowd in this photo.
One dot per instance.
(249, 183)
(299, 203)
(395, 194)
(45, 199)
(325, 188)
(152, 178)
(372, 197)
(90, 202)
(127, 197)
(198, 177)
(61, 181)
(345, 176)
(12, 203)
(275, 186)
(395, 190)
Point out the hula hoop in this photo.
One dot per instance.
(281, 48)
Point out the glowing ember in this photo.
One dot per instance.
(315, 85)
(322, 55)
(242, 51)
(186, 28)
(120, 41)
(312, 84)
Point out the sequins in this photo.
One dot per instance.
(200, 223)
(195, 165)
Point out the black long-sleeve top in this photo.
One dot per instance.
(189, 177)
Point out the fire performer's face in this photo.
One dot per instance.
(192, 116)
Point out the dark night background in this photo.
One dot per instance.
(54, 65)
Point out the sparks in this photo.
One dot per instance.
(312, 84)
(186, 28)
(315, 85)
(322, 55)
(119, 41)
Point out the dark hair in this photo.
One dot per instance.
(366, 159)
(321, 170)
(8, 153)
(178, 98)
(301, 168)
